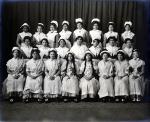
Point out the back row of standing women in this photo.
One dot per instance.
(102, 68)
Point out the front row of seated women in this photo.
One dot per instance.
(54, 78)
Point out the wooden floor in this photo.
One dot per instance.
(83, 111)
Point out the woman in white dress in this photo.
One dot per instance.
(121, 79)
(136, 78)
(128, 48)
(14, 83)
(66, 34)
(70, 81)
(44, 48)
(95, 33)
(62, 50)
(79, 49)
(52, 81)
(39, 35)
(111, 33)
(25, 32)
(80, 31)
(127, 33)
(52, 35)
(34, 80)
(27, 48)
(106, 92)
(88, 83)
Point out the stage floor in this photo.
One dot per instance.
(83, 111)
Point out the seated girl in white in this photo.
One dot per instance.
(88, 83)
(70, 82)
(25, 32)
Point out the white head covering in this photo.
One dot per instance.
(25, 24)
(15, 48)
(121, 51)
(79, 20)
(104, 51)
(54, 22)
(41, 24)
(61, 39)
(95, 20)
(110, 23)
(52, 49)
(89, 52)
(128, 23)
(65, 22)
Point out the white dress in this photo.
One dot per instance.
(38, 37)
(80, 32)
(34, 67)
(52, 38)
(128, 51)
(66, 35)
(127, 34)
(44, 51)
(106, 85)
(121, 85)
(26, 50)
(136, 85)
(16, 66)
(62, 51)
(70, 83)
(88, 87)
(52, 88)
(112, 50)
(95, 34)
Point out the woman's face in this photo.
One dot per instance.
(35, 55)
(27, 42)
(25, 28)
(110, 27)
(112, 42)
(65, 27)
(95, 43)
(15, 53)
(128, 43)
(79, 41)
(135, 55)
(79, 25)
(62, 43)
(105, 56)
(52, 55)
(44, 43)
(39, 29)
(127, 27)
(88, 57)
(95, 26)
(70, 57)
(120, 57)
(52, 28)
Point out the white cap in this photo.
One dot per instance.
(111, 23)
(128, 23)
(95, 20)
(121, 52)
(15, 48)
(54, 22)
(41, 24)
(52, 49)
(65, 22)
(61, 39)
(104, 51)
(79, 20)
(89, 52)
(25, 24)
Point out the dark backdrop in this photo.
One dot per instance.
(14, 14)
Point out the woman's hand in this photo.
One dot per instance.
(51, 77)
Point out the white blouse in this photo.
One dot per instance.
(80, 32)
(51, 37)
(27, 50)
(95, 34)
(112, 49)
(127, 34)
(95, 50)
(39, 36)
(62, 51)
(44, 51)
(110, 34)
(65, 34)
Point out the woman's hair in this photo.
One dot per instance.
(54, 52)
(61, 40)
(79, 37)
(123, 55)
(20, 54)
(27, 37)
(45, 40)
(53, 25)
(35, 50)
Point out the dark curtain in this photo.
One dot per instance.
(14, 14)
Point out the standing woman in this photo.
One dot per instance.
(106, 92)
(39, 35)
(52, 35)
(25, 32)
(111, 33)
(95, 33)
(66, 34)
(52, 81)
(15, 81)
(136, 79)
(121, 79)
(34, 70)
(70, 81)
(127, 33)
(80, 31)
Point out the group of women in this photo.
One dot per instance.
(75, 66)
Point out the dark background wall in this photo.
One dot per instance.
(14, 14)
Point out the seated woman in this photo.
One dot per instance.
(105, 67)
(44, 48)
(52, 81)
(79, 49)
(136, 78)
(62, 50)
(27, 48)
(25, 32)
(88, 83)
(128, 48)
(39, 35)
(121, 79)
(70, 83)
(34, 70)
(14, 83)
(66, 34)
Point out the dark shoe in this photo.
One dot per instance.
(39, 100)
(65, 100)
